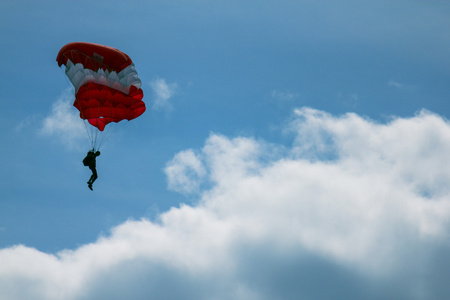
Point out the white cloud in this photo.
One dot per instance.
(359, 208)
(396, 84)
(284, 96)
(26, 123)
(64, 122)
(162, 92)
(185, 172)
(401, 86)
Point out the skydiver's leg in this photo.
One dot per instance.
(93, 177)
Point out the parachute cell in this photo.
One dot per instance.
(93, 56)
(107, 86)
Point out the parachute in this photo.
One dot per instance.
(107, 86)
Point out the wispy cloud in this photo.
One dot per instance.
(400, 85)
(63, 122)
(349, 99)
(284, 95)
(162, 94)
(396, 84)
(366, 224)
(26, 123)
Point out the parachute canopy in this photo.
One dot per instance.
(107, 86)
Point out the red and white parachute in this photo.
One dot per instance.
(107, 86)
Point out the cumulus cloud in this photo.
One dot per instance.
(185, 172)
(354, 209)
(63, 122)
(162, 92)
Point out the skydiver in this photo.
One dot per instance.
(89, 161)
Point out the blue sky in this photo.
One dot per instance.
(290, 150)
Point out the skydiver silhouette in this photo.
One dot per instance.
(89, 161)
